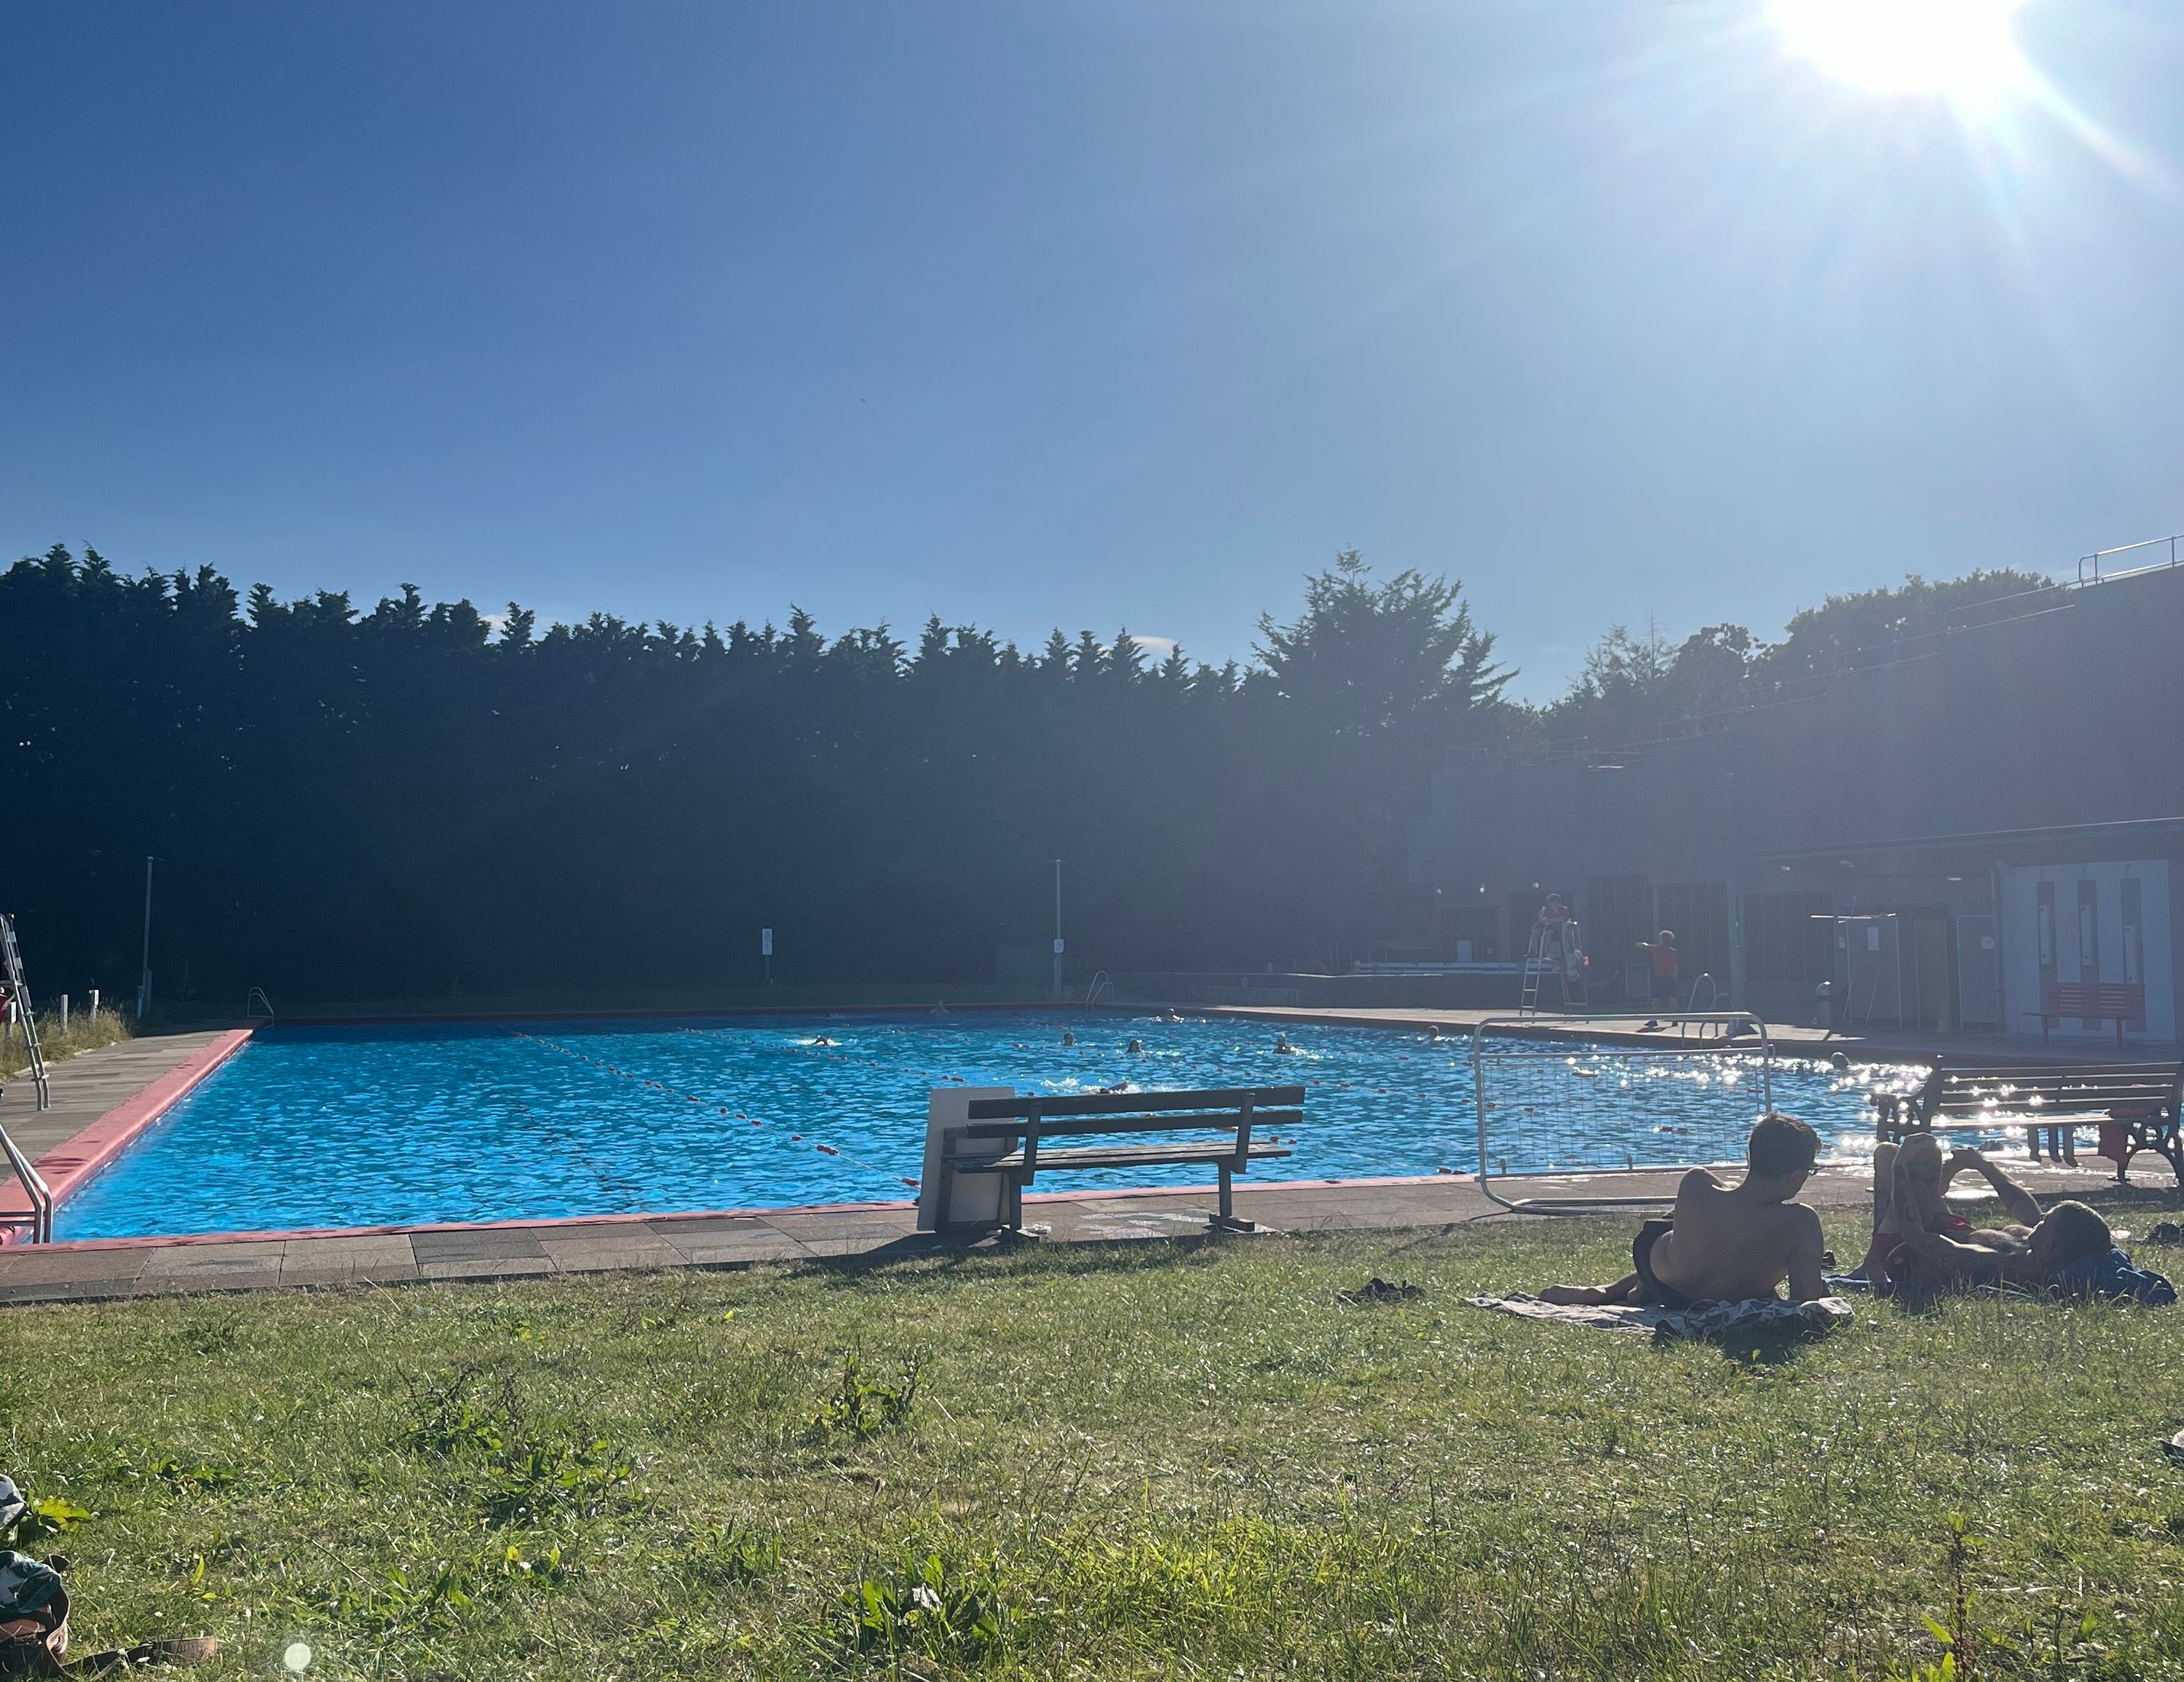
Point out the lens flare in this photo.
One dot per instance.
(1963, 51)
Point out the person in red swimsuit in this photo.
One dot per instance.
(1666, 965)
(1918, 1240)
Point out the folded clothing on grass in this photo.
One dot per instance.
(1702, 1323)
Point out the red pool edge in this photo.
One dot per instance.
(69, 1164)
(276, 1234)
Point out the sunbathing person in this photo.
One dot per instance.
(1910, 1190)
(1911, 1247)
(1727, 1244)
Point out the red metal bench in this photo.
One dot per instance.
(2090, 1001)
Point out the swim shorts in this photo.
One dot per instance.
(1642, 1262)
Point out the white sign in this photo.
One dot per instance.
(766, 943)
(1057, 945)
(1872, 937)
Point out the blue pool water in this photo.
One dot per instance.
(375, 1125)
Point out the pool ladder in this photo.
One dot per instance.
(18, 1007)
(34, 1187)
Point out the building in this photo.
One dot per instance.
(1939, 830)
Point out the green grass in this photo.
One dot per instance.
(85, 1031)
(1135, 1461)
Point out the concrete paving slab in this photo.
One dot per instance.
(208, 1279)
(381, 1273)
(29, 1267)
(161, 1260)
(481, 1268)
(498, 1244)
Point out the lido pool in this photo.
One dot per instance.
(318, 1127)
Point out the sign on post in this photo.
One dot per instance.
(766, 943)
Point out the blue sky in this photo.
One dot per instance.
(1081, 314)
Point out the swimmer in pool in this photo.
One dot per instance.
(1067, 1037)
(1282, 1045)
(1137, 1047)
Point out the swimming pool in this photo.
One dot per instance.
(309, 1127)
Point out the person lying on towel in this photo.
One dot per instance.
(1724, 1243)
(1918, 1243)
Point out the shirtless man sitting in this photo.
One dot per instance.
(1727, 1244)
(1912, 1248)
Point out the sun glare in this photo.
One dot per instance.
(1964, 50)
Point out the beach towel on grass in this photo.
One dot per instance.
(1703, 1323)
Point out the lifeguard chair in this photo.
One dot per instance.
(1554, 960)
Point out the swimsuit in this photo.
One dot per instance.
(1641, 1261)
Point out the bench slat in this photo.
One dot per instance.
(1134, 1103)
(1125, 1157)
(1223, 1121)
(2049, 1090)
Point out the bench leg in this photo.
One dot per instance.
(1226, 1221)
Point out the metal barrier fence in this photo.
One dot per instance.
(1527, 1064)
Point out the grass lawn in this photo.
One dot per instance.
(1135, 1461)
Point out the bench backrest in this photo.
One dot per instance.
(2110, 999)
(1234, 1110)
(1085, 1111)
(2059, 1090)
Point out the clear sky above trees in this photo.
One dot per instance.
(1087, 314)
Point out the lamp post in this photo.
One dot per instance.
(1057, 929)
(144, 983)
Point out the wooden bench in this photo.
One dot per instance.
(2090, 1001)
(2136, 1105)
(1011, 1137)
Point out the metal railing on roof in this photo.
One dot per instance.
(2151, 555)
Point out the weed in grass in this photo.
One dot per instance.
(44, 1516)
(925, 1611)
(730, 1556)
(863, 1406)
(525, 1471)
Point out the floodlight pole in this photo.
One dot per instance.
(1057, 929)
(144, 983)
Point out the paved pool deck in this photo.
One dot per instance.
(91, 1089)
(1864, 1046)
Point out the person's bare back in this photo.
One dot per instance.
(1730, 1244)
(1727, 1244)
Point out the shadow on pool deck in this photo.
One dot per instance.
(84, 1088)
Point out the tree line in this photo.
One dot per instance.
(411, 798)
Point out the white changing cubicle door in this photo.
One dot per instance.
(2104, 922)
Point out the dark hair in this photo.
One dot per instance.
(1782, 1144)
(2078, 1232)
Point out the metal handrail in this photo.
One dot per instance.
(35, 1188)
(2093, 560)
(1559, 1049)
(1100, 980)
(258, 993)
